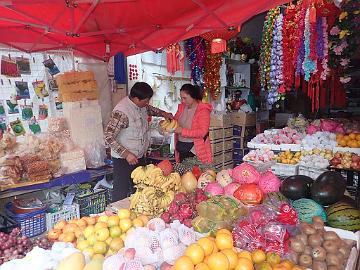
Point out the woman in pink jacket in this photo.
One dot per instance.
(192, 135)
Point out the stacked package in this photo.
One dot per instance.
(73, 161)
(35, 169)
(77, 86)
(10, 170)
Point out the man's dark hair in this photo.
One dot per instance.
(141, 90)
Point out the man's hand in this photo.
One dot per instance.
(168, 115)
(131, 159)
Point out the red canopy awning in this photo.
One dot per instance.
(101, 28)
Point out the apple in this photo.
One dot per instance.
(54, 234)
(108, 240)
(60, 225)
(102, 234)
(82, 245)
(113, 221)
(137, 222)
(61, 237)
(124, 213)
(129, 253)
(89, 230)
(115, 231)
(144, 219)
(116, 244)
(100, 225)
(100, 247)
(81, 223)
(125, 224)
(103, 219)
(91, 239)
(78, 232)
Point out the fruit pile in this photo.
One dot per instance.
(103, 235)
(154, 190)
(351, 140)
(282, 136)
(13, 246)
(345, 161)
(183, 207)
(210, 253)
(288, 157)
(316, 248)
(260, 155)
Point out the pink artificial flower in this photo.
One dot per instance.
(344, 44)
(345, 79)
(337, 50)
(334, 31)
(344, 62)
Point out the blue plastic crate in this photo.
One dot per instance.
(31, 224)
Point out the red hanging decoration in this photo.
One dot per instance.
(174, 58)
(218, 38)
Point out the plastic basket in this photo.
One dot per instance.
(7, 224)
(67, 213)
(310, 171)
(285, 169)
(93, 203)
(31, 224)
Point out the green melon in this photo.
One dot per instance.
(343, 216)
(307, 209)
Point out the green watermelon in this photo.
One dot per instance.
(343, 216)
(307, 209)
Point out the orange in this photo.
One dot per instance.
(218, 261)
(207, 245)
(258, 256)
(339, 136)
(224, 241)
(352, 136)
(358, 137)
(263, 266)
(280, 267)
(244, 264)
(202, 266)
(183, 263)
(287, 263)
(232, 257)
(346, 138)
(273, 258)
(195, 253)
(224, 231)
(297, 267)
(352, 143)
(343, 143)
(245, 254)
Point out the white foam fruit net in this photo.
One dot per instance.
(156, 225)
(134, 265)
(172, 253)
(168, 238)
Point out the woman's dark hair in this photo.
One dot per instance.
(193, 90)
(141, 90)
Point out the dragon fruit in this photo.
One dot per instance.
(187, 222)
(180, 198)
(186, 211)
(269, 182)
(214, 189)
(178, 217)
(173, 208)
(166, 217)
(245, 173)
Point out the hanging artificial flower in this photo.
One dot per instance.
(265, 53)
(289, 31)
(325, 55)
(195, 52)
(300, 48)
(309, 66)
(344, 39)
(276, 67)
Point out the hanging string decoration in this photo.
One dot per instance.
(265, 52)
(196, 54)
(212, 72)
(289, 31)
(276, 67)
(300, 48)
(309, 65)
(345, 39)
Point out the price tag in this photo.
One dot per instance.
(69, 198)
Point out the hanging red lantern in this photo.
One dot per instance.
(218, 38)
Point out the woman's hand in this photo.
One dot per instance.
(168, 115)
(131, 159)
(178, 130)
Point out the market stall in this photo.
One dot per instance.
(281, 195)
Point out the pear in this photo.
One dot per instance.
(75, 261)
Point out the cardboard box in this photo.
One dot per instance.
(237, 130)
(248, 132)
(228, 145)
(243, 119)
(216, 134)
(239, 143)
(217, 146)
(228, 132)
(228, 157)
(220, 120)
